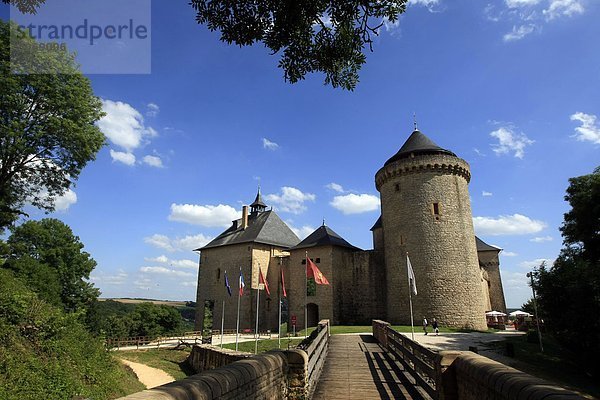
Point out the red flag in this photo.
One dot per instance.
(313, 272)
(283, 284)
(261, 279)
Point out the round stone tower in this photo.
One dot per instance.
(426, 212)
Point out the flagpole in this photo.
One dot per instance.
(222, 321)
(237, 325)
(306, 296)
(279, 326)
(412, 324)
(256, 330)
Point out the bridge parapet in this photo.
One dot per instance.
(276, 375)
(464, 375)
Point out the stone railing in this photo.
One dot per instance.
(276, 375)
(316, 347)
(464, 375)
(206, 357)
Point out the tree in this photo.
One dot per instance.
(50, 259)
(569, 291)
(328, 36)
(25, 6)
(47, 130)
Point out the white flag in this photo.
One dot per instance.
(411, 276)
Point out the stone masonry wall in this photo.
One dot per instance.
(360, 290)
(211, 285)
(441, 247)
(490, 262)
(296, 285)
(206, 357)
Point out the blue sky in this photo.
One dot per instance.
(512, 86)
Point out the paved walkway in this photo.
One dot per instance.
(358, 368)
(150, 377)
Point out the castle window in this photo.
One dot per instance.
(218, 273)
(318, 260)
(436, 209)
(401, 239)
(397, 187)
(315, 260)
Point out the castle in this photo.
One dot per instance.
(425, 212)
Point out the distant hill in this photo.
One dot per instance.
(127, 300)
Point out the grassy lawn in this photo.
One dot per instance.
(555, 364)
(265, 345)
(170, 361)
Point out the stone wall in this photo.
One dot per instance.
(360, 293)
(259, 377)
(490, 262)
(478, 377)
(441, 247)
(206, 357)
(211, 285)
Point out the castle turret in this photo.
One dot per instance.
(426, 212)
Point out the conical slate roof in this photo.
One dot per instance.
(483, 246)
(324, 236)
(378, 224)
(258, 201)
(418, 143)
(265, 227)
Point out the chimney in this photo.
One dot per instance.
(244, 217)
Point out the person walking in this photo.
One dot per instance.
(434, 325)
(425, 323)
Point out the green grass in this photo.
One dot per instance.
(171, 361)
(555, 364)
(265, 345)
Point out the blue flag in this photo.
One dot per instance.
(227, 284)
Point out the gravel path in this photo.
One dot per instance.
(150, 377)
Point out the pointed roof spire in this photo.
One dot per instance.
(258, 205)
(417, 143)
(415, 121)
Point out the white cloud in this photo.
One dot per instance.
(335, 187)
(355, 203)
(509, 254)
(189, 283)
(153, 161)
(165, 271)
(291, 199)
(536, 263)
(566, 8)
(510, 142)
(302, 232)
(118, 279)
(62, 203)
(186, 243)
(159, 259)
(518, 33)
(588, 131)
(267, 144)
(520, 3)
(123, 125)
(144, 283)
(430, 4)
(153, 110)
(207, 215)
(486, 194)
(541, 239)
(122, 157)
(173, 263)
(515, 224)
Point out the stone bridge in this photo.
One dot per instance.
(384, 365)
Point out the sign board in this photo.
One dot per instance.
(293, 320)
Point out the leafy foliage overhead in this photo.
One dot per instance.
(47, 131)
(328, 36)
(25, 6)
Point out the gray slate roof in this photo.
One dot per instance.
(418, 143)
(378, 224)
(483, 246)
(324, 236)
(265, 227)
